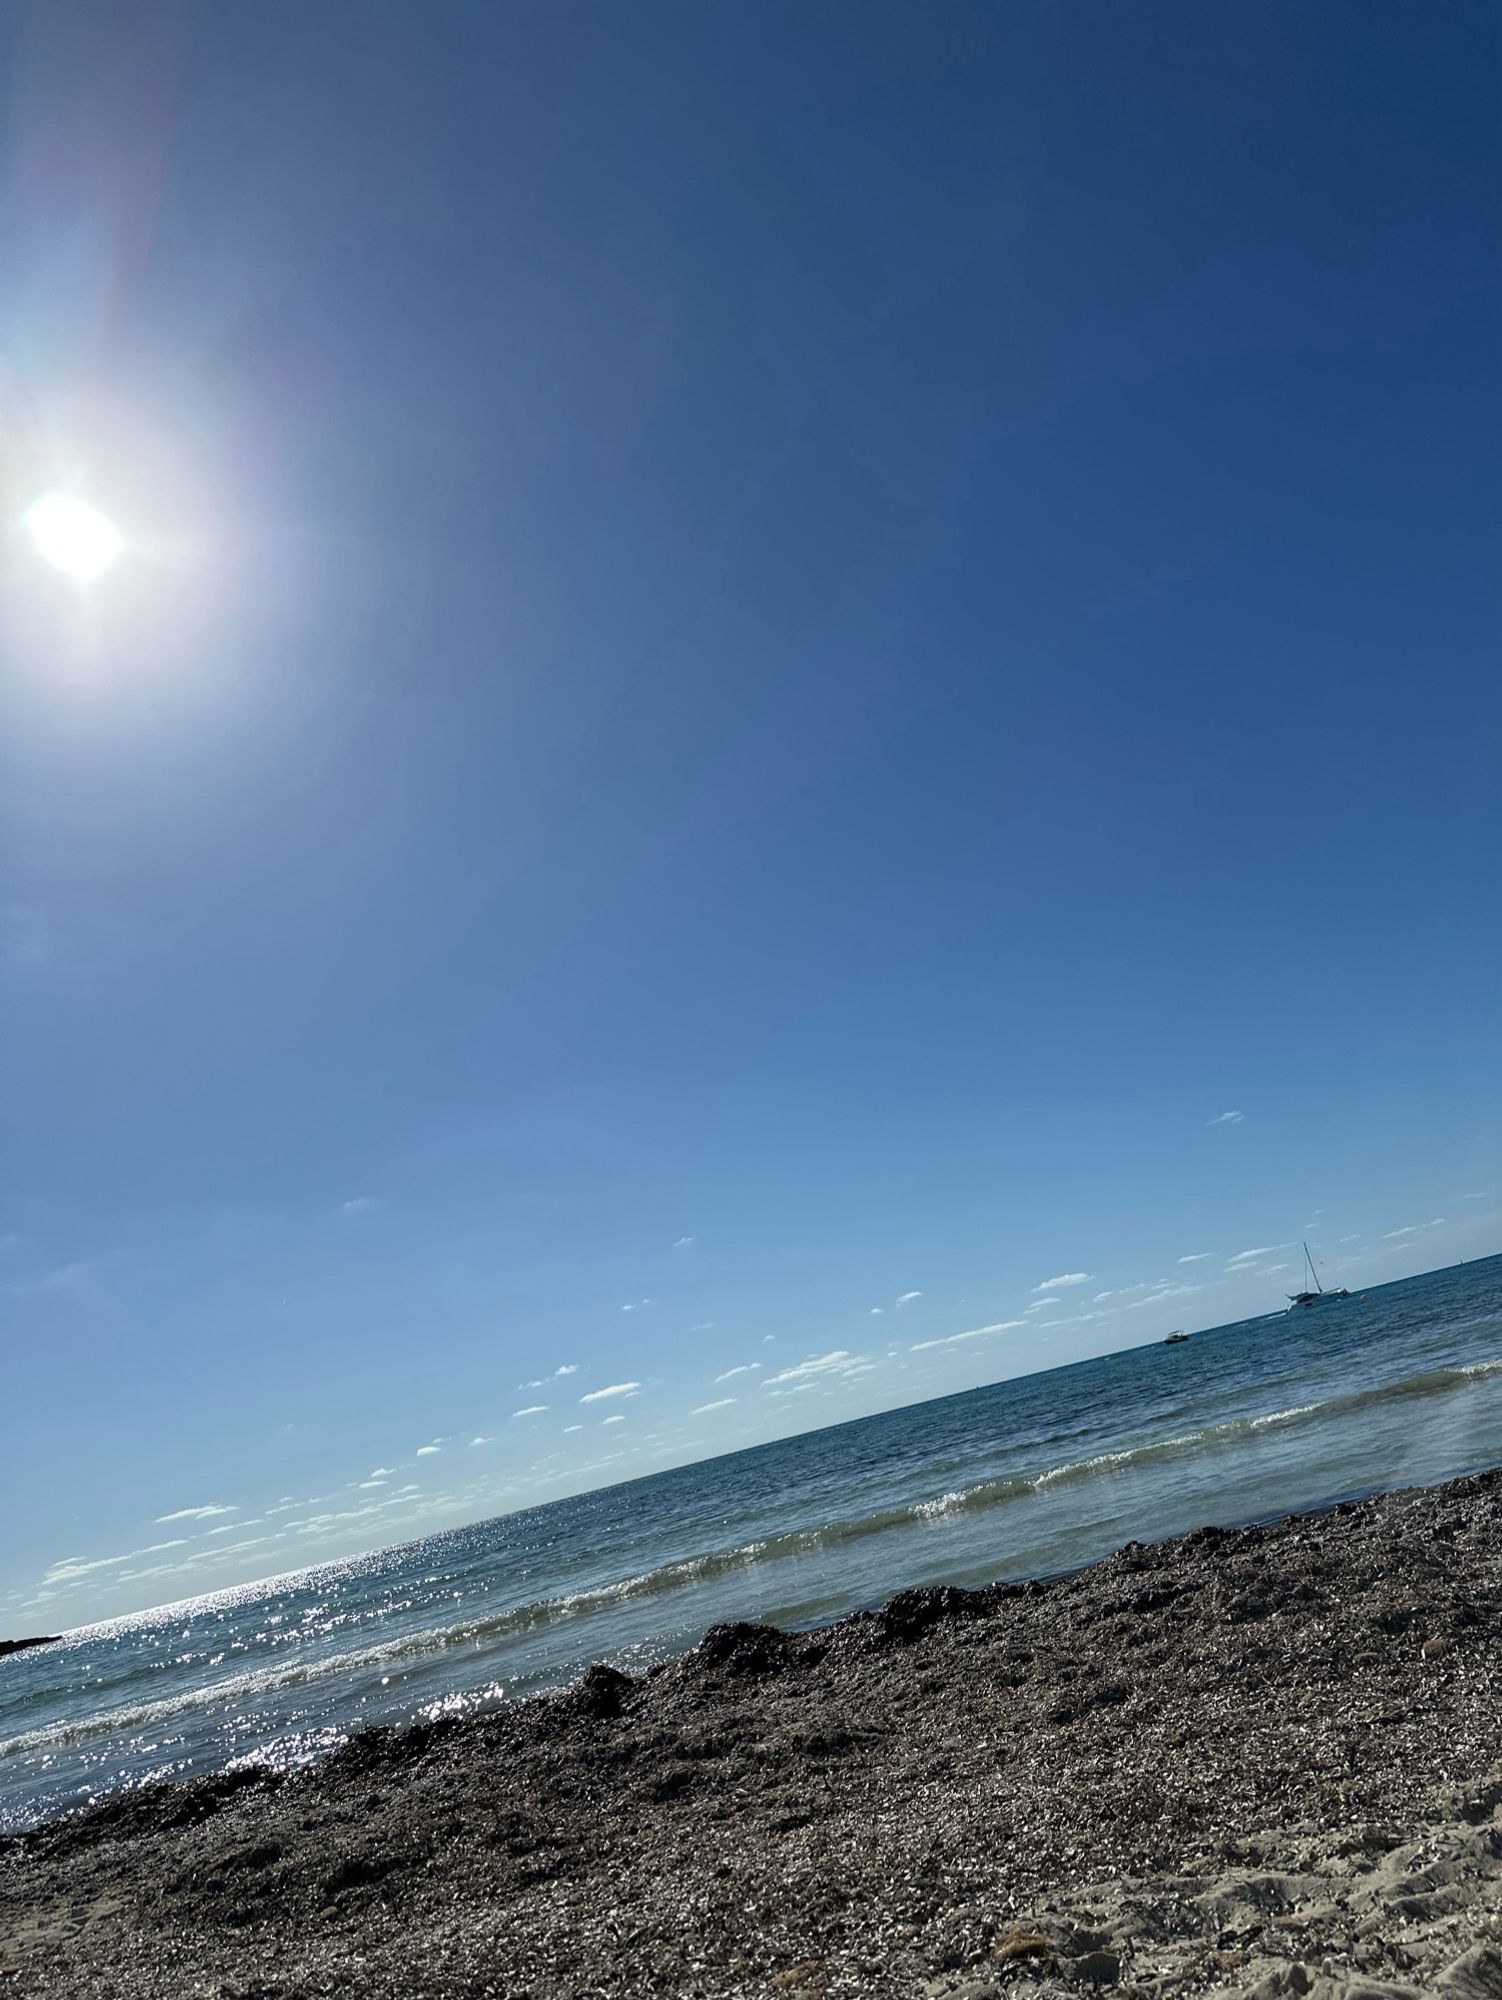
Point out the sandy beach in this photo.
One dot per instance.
(1265, 1760)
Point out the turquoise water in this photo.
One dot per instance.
(1400, 1386)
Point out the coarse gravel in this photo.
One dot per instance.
(1263, 1760)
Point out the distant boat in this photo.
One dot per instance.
(1173, 1339)
(1319, 1296)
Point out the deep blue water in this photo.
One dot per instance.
(1400, 1386)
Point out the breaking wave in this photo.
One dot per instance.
(249, 1689)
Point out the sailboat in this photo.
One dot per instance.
(1319, 1296)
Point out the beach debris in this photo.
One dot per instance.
(1095, 1968)
(743, 1648)
(1023, 1944)
(1476, 1975)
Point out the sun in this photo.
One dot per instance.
(73, 536)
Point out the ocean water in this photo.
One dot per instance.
(1400, 1386)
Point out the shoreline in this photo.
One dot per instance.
(1207, 1763)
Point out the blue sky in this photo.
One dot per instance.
(766, 658)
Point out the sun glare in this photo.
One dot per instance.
(73, 536)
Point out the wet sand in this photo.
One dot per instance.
(1266, 1760)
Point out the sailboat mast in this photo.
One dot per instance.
(1312, 1272)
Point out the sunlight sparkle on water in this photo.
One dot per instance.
(73, 536)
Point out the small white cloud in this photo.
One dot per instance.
(1164, 1292)
(1064, 1279)
(1251, 1256)
(838, 1362)
(567, 1368)
(685, 1242)
(705, 1408)
(428, 1450)
(636, 1305)
(366, 1486)
(361, 1204)
(611, 1420)
(1042, 1306)
(877, 1311)
(1195, 1257)
(381, 1472)
(704, 1326)
(74, 1277)
(1226, 1118)
(571, 1427)
(478, 1440)
(612, 1389)
(745, 1368)
(906, 1299)
(195, 1514)
(532, 1410)
(973, 1333)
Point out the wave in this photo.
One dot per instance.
(251, 1688)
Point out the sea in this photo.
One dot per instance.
(1399, 1385)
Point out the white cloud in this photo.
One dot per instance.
(1412, 1228)
(1195, 1257)
(611, 1420)
(362, 1204)
(71, 1568)
(571, 1427)
(1251, 1256)
(612, 1389)
(74, 1277)
(1226, 1118)
(477, 1440)
(685, 1243)
(567, 1368)
(428, 1450)
(1064, 1278)
(636, 1305)
(832, 1365)
(381, 1472)
(366, 1485)
(1165, 1292)
(704, 1326)
(745, 1368)
(532, 1410)
(705, 1408)
(1042, 1306)
(974, 1333)
(907, 1298)
(195, 1514)
(877, 1311)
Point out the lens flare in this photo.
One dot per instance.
(73, 536)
